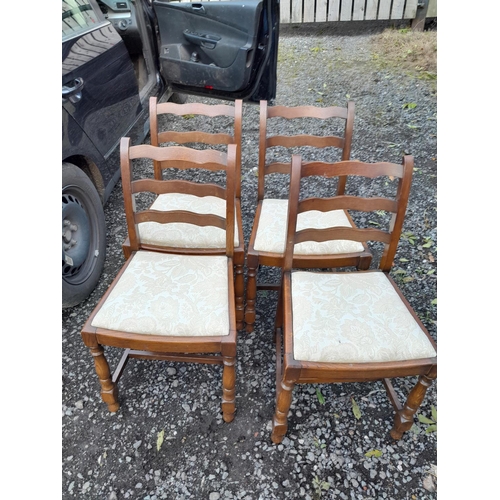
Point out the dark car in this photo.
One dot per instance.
(116, 54)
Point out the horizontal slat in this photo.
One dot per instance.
(195, 109)
(359, 168)
(342, 233)
(188, 358)
(290, 141)
(306, 112)
(277, 168)
(185, 187)
(180, 216)
(178, 153)
(348, 203)
(197, 136)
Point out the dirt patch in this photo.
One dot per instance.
(406, 50)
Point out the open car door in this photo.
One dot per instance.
(220, 48)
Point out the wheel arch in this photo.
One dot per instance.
(91, 170)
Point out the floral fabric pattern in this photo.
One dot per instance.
(183, 235)
(353, 317)
(164, 294)
(271, 232)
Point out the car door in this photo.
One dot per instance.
(99, 88)
(225, 49)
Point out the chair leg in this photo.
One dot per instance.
(283, 402)
(239, 291)
(251, 293)
(228, 388)
(109, 391)
(404, 417)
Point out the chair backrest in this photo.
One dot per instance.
(181, 158)
(266, 141)
(195, 136)
(396, 205)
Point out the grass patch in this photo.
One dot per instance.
(403, 49)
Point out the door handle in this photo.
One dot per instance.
(73, 91)
(197, 7)
(202, 39)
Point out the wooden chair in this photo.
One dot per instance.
(349, 326)
(208, 205)
(170, 305)
(267, 241)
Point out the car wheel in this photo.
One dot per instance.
(83, 236)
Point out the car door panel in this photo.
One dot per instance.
(213, 47)
(105, 101)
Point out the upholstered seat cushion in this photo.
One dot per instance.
(164, 294)
(186, 235)
(353, 317)
(271, 231)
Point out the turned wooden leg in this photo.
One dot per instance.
(251, 294)
(283, 402)
(239, 291)
(228, 388)
(404, 417)
(109, 391)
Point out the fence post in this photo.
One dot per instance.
(418, 23)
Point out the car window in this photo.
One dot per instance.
(78, 16)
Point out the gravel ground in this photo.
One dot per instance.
(115, 456)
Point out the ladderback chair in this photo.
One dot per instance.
(267, 241)
(170, 305)
(341, 327)
(212, 205)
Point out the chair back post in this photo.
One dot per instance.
(262, 150)
(153, 132)
(293, 204)
(346, 151)
(238, 120)
(231, 170)
(396, 225)
(128, 197)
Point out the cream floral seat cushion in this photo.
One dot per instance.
(186, 235)
(353, 318)
(164, 294)
(271, 230)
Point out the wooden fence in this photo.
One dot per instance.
(315, 11)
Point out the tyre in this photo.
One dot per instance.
(83, 236)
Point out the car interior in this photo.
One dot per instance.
(133, 26)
